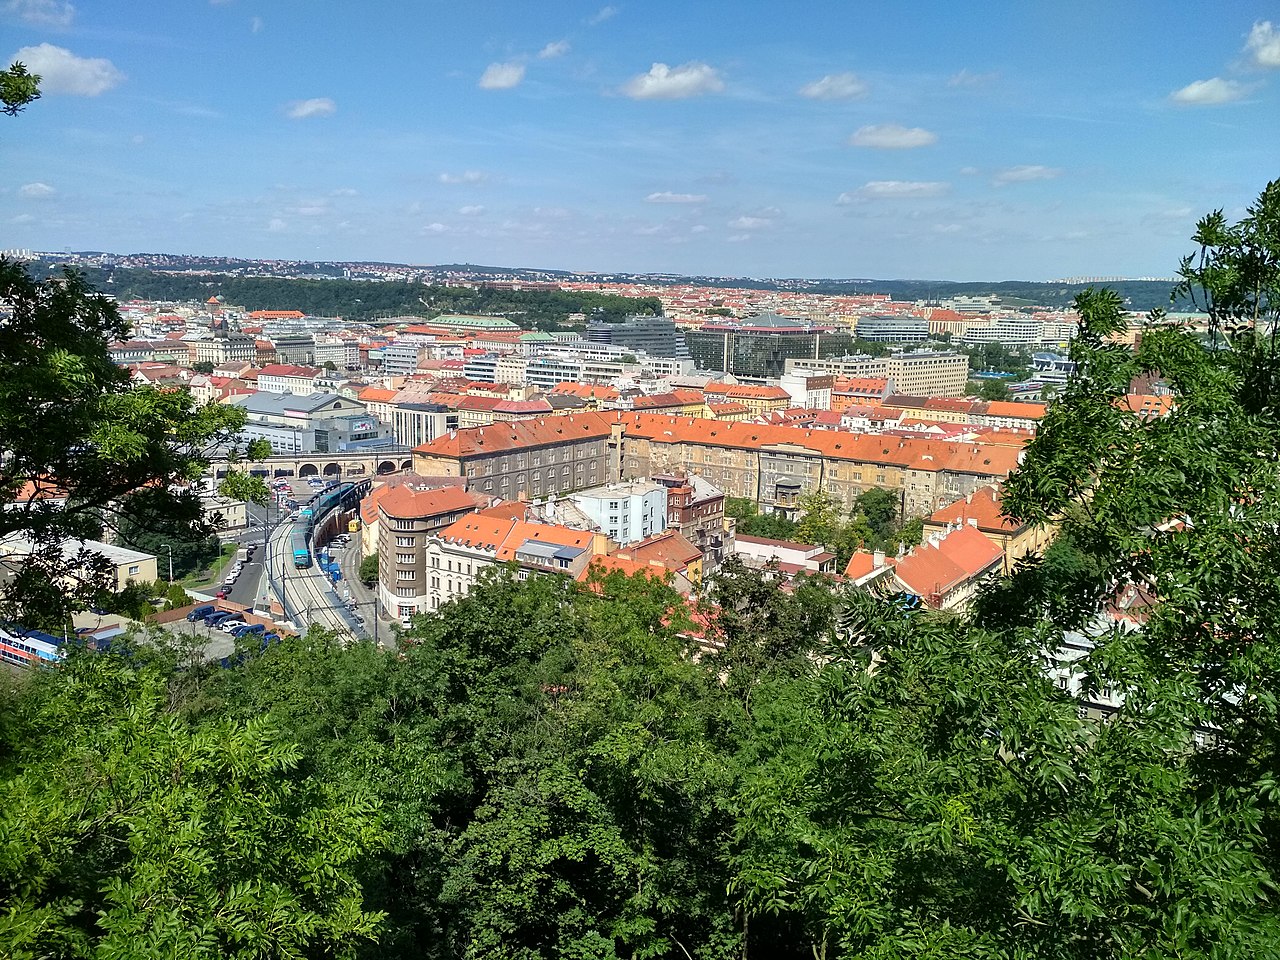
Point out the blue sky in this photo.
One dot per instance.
(989, 140)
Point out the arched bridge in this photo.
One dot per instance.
(338, 465)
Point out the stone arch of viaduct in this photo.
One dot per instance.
(336, 465)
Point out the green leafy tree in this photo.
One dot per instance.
(368, 572)
(133, 833)
(18, 88)
(190, 554)
(752, 523)
(203, 366)
(994, 390)
(84, 447)
(949, 801)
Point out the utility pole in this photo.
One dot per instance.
(170, 549)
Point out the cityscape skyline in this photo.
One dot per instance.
(879, 141)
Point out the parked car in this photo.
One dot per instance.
(218, 616)
(246, 629)
(199, 613)
(222, 594)
(230, 624)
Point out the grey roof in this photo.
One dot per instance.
(282, 403)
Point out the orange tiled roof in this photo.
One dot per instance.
(407, 503)
(288, 370)
(983, 505)
(932, 571)
(670, 548)
(376, 395)
(1007, 408)
(983, 459)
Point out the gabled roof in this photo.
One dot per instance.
(982, 506)
(670, 548)
(932, 570)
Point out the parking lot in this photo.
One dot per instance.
(213, 641)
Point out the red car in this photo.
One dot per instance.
(221, 594)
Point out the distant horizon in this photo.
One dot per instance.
(902, 138)
(674, 277)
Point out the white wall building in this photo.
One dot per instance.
(625, 512)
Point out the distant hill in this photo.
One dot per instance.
(167, 272)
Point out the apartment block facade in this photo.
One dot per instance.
(772, 465)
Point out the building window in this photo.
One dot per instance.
(405, 541)
(404, 591)
(405, 575)
(133, 569)
(404, 558)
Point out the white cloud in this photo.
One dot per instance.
(22, 218)
(502, 76)
(874, 189)
(467, 176)
(603, 14)
(41, 13)
(61, 71)
(699, 228)
(749, 223)
(1209, 92)
(255, 24)
(1264, 44)
(276, 225)
(738, 237)
(344, 192)
(305, 109)
(36, 191)
(471, 210)
(891, 136)
(1025, 174)
(434, 228)
(836, 86)
(967, 78)
(665, 196)
(557, 48)
(674, 83)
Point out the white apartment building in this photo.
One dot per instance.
(916, 373)
(287, 378)
(401, 356)
(808, 389)
(625, 512)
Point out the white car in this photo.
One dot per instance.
(228, 625)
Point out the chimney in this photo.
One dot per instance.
(877, 560)
(973, 522)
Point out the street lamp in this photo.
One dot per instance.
(170, 549)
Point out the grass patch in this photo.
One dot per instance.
(212, 575)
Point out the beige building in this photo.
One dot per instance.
(529, 459)
(126, 566)
(917, 373)
(408, 519)
(772, 465)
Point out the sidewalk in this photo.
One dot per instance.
(366, 600)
